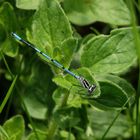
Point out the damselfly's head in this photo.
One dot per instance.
(85, 84)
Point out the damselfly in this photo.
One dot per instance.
(83, 81)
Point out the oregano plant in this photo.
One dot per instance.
(95, 39)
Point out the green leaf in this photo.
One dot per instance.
(8, 17)
(59, 95)
(9, 23)
(41, 136)
(2, 32)
(66, 135)
(54, 35)
(3, 134)
(114, 53)
(38, 91)
(115, 92)
(74, 100)
(67, 50)
(72, 86)
(86, 73)
(15, 127)
(111, 97)
(66, 117)
(35, 107)
(82, 12)
(121, 83)
(26, 4)
(62, 82)
(99, 121)
(50, 27)
(75, 86)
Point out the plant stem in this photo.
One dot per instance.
(28, 115)
(21, 98)
(137, 43)
(8, 93)
(53, 125)
(113, 121)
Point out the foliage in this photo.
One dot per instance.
(52, 104)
